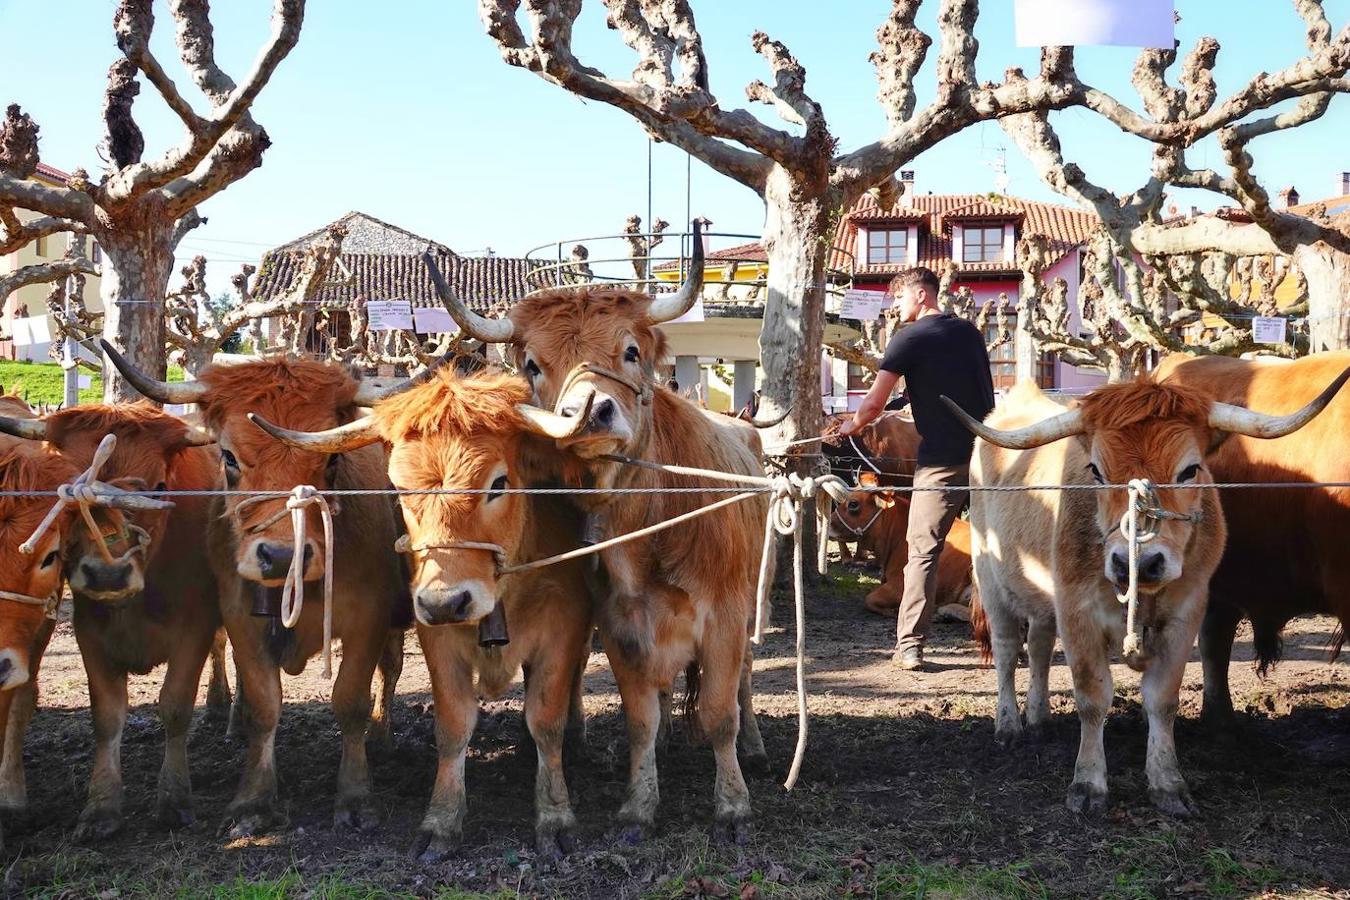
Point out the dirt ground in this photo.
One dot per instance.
(903, 793)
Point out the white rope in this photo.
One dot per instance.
(293, 587)
(1140, 523)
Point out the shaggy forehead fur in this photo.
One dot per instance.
(294, 393)
(145, 435)
(26, 467)
(566, 326)
(450, 430)
(1143, 422)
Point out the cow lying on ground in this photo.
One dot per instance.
(679, 600)
(1285, 555)
(880, 519)
(252, 544)
(1061, 556)
(479, 433)
(144, 594)
(886, 447)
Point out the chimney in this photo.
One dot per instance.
(1288, 197)
(1345, 184)
(910, 185)
(1195, 213)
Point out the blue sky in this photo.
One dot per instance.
(409, 114)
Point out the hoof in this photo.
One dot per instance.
(175, 814)
(250, 820)
(1009, 738)
(1037, 733)
(756, 764)
(1176, 802)
(97, 825)
(357, 814)
(1086, 799)
(429, 847)
(631, 834)
(552, 844)
(735, 832)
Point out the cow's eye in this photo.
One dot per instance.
(531, 369)
(330, 469)
(498, 485)
(50, 559)
(161, 487)
(1188, 473)
(631, 354)
(854, 506)
(228, 458)
(1096, 473)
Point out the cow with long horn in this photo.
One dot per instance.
(1047, 557)
(253, 549)
(681, 599)
(144, 595)
(480, 435)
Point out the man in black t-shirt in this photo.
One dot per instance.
(936, 354)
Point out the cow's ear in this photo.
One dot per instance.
(884, 499)
(868, 479)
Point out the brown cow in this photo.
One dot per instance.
(1285, 554)
(681, 599)
(251, 548)
(27, 582)
(880, 518)
(886, 447)
(478, 433)
(154, 603)
(1061, 556)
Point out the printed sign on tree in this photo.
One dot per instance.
(389, 315)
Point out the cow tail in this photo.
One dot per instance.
(689, 708)
(1268, 645)
(979, 627)
(1337, 642)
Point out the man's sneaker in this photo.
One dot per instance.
(909, 659)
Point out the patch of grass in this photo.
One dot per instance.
(1227, 876)
(44, 382)
(920, 880)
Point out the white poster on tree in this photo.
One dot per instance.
(1268, 330)
(389, 315)
(29, 330)
(1120, 23)
(433, 320)
(862, 305)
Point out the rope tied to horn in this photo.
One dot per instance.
(298, 501)
(1143, 517)
(86, 492)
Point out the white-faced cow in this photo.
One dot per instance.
(480, 434)
(678, 600)
(1043, 557)
(252, 544)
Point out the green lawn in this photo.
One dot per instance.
(43, 382)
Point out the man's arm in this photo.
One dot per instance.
(873, 404)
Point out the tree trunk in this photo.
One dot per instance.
(135, 281)
(1328, 273)
(797, 239)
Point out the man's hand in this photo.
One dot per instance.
(850, 427)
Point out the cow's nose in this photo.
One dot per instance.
(444, 606)
(102, 576)
(6, 666)
(1120, 567)
(602, 414)
(275, 559)
(1151, 567)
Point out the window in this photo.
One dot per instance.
(982, 244)
(1003, 362)
(40, 245)
(889, 246)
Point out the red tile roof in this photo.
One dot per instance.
(51, 173)
(1065, 226)
(752, 252)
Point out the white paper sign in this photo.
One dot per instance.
(1120, 23)
(433, 320)
(1268, 330)
(389, 315)
(694, 315)
(84, 382)
(31, 330)
(863, 305)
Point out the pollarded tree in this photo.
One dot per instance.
(140, 209)
(1199, 259)
(801, 177)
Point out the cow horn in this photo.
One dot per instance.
(335, 440)
(1044, 432)
(29, 429)
(770, 423)
(550, 424)
(672, 306)
(370, 394)
(1240, 420)
(493, 331)
(161, 391)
